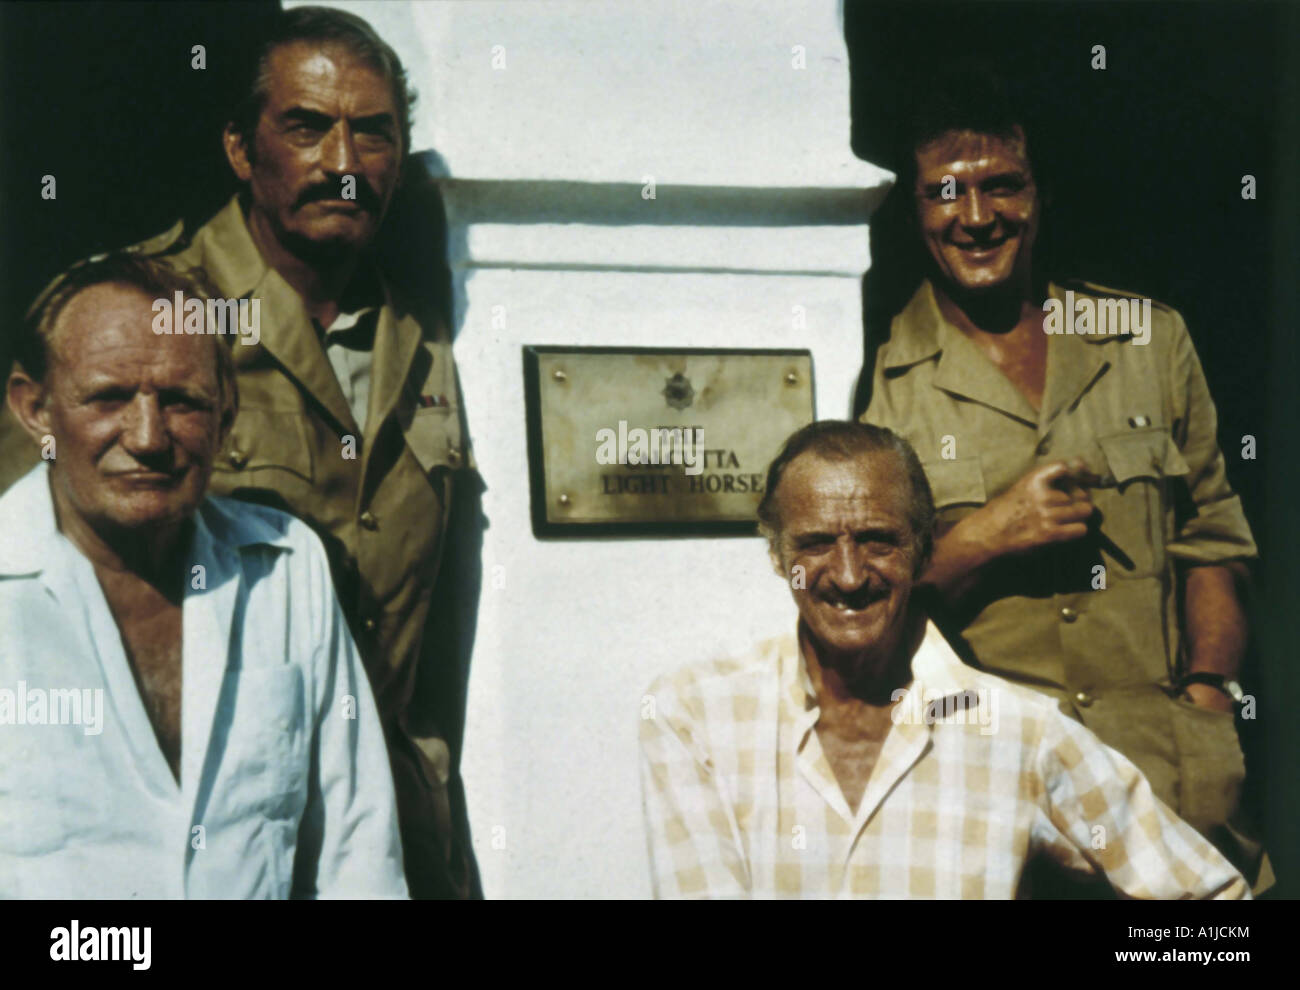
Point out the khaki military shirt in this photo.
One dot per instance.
(378, 497)
(1094, 621)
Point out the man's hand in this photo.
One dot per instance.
(1050, 504)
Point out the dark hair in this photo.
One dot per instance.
(834, 439)
(967, 96)
(324, 26)
(150, 275)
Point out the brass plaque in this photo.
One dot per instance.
(628, 440)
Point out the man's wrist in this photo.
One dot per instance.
(971, 540)
(1227, 686)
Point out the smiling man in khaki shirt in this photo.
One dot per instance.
(349, 415)
(1089, 544)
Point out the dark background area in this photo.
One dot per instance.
(102, 96)
(1146, 159)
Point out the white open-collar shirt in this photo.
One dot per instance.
(285, 788)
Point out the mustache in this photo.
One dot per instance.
(366, 196)
(859, 598)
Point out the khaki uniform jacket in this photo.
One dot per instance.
(1093, 622)
(379, 500)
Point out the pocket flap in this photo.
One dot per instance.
(956, 482)
(430, 439)
(1142, 454)
(264, 438)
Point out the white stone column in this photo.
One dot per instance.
(551, 121)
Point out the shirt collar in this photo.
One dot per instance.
(231, 258)
(229, 522)
(796, 684)
(233, 261)
(936, 668)
(925, 326)
(929, 333)
(27, 526)
(937, 672)
(28, 529)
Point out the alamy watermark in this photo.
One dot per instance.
(970, 707)
(131, 944)
(658, 445)
(1101, 317)
(53, 706)
(200, 316)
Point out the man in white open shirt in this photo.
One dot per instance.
(182, 709)
(860, 757)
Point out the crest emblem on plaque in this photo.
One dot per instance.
(678, 391)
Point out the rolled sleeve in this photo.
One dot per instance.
(1100, 814)
(1215, 528)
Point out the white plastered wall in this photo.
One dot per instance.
(548, 120)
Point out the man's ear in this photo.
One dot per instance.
(229, 411)
(236, 152)
(225, 426)
(28, 402)
(774, 556)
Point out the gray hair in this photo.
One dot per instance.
(834, 439)
(34, 348)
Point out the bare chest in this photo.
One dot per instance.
(1022, 357)
(852, 748)
(150, 627)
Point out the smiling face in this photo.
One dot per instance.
(136, 418)
(327, 115)
(845, 524)
(984, 237)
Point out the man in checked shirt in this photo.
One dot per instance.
(809, 769)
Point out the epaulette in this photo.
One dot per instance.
(171, 241)
(1093, 288)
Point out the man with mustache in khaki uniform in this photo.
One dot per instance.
(350, 413)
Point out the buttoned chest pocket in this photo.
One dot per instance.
(957, 486)
(266, 759)
(267, 459)
(1134, 497)
(432, 425)
(433, 437)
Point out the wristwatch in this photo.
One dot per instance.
(1229, 687)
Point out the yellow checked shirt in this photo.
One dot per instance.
(378, 498)
(976, 777)
(1093, 622)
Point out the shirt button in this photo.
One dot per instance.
(368, 625)
(1069, 614)
(453, 456)
(238, 458)
(369, 521)
(1083, 698)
